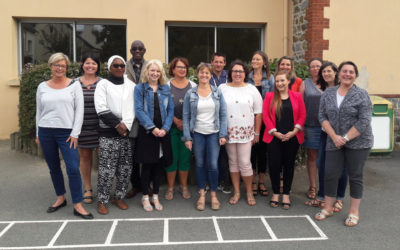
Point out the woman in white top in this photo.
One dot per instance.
(59, 116)
(244, 108)
(204, 127)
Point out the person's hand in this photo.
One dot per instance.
(162, 133)
(288, 135)
(37, 141)
(73, 142)
(222, 141)
(188, 144)
(278, 135)
(339, 141)
(256, 139)
(122, 129)
(155, 132)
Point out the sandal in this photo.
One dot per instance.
(250, 199)
(262, 189)
(146, 204)
(338, 206)
(201, 203)
(286, 205)
(89, 198)
(234, 199)
(185, 193)
(274, 204)
(169, 195)
(323, 214)
(313, 203)
(312, 193)
(254, 188)
(215, 205)
(156, 202)
(352, 220)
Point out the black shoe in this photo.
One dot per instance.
(53, 209)
(88, 216)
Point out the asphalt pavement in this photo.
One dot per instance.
(26, 192)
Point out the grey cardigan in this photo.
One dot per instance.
(355, 111)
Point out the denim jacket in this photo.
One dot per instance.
(190, 113)
(267, 85)
(144, 106)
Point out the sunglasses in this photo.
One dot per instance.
(137, 48)
(116, 66)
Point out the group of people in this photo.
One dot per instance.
(144, 124)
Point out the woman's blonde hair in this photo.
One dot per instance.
(202, 66)
(58, 57)
(145, 73)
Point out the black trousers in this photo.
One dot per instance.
(151, 172)
(259, 154)
(281, 156)
(135, 176)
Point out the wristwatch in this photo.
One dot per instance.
(346, 138)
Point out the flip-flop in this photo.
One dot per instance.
(323, 214)
(352, 220)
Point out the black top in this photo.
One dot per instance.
(157, 113)
(286, 123)
(259, 88)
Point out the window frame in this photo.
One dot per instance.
(261, 26)
(73, 22)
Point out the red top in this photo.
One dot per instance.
(296, 85)
(299, 115)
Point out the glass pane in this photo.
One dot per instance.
(194, 43)
(102, 40)
(40, 40)
(238, 43)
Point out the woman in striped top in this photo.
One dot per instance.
(89, 137)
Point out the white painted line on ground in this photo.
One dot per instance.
(111, 232)
(316, 227)
(166, 231)
(269, 229)
(217, 230)
(6, 228)
(55, 237)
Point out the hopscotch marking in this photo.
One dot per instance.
(166, 229)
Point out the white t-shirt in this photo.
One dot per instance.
(339, 99)
(205, 116)
(241, 103)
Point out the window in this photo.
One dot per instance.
(199, 42)
(38, 40)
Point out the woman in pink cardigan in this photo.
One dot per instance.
(284, 114)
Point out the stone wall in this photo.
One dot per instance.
(299, 29)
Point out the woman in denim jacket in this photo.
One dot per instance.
(264, 81)
(204, 122)
(155, 110)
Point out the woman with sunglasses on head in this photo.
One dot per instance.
(345, 114)
(155, 111)
(59, 116)
(244, 107)
(89, 137)
(205, 129)
(311, 91)
(113, 100)
(284, 115)
(327, 77)
(285, 63)
(260, 77)
(179, 85)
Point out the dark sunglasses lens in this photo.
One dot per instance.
(118, 66)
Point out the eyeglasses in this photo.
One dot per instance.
(237, 71)
(60, 66)
(116, 66)
(180, 67)
(137, 48)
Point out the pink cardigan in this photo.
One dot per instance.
(299, 115)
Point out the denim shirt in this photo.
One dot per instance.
(223, 78)
(190, 113)
(145, 111)
(267, 85)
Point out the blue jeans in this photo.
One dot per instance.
(206, 151)
(321, 172)
(52, 139)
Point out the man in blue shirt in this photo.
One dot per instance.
(219, 75)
